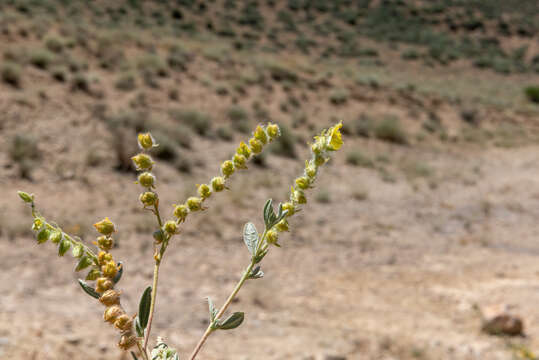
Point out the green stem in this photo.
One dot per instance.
(143, 353)
(230, 298)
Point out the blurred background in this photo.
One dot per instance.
(424, 219)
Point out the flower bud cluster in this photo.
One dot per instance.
(261, 137)
(328, 141)
(144, 163)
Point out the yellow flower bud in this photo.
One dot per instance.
(335, 137)
(244, 150)
(127, 341)
(103, 284)
(112, 313)
(181, 212)
(272, 237)
(105, 242)
(298, 196)
(319, 160)
(146, 141)
(43, 235)
(110, 297)
(109, 269)
(272, 130)
(123, 322)
(227, 168)
(317, 148)
(290, 207)
(256, 145)
(310, 170)
(260, 135)
(148, 198)
(142, 162)
(37, 224)
(282, 225)
(171, 227)
(105, 227)
(56, 236)
(239, 161)
(194, 203)
(204, 191)
(146, 179)
(302, 183)
(218, 184)
(103, 257)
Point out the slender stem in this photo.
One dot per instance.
(230, 298)
(143, 353)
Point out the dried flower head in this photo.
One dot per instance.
(105, 226)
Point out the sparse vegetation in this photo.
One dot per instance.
(390, 129)
(199, 122)
(11, 74)
(532, 93)
(357, 158)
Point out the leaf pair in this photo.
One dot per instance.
(270, 219)
(232, 322)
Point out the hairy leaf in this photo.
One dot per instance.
(250, 237)
(88, 289)
(232, 322)
(144, 307)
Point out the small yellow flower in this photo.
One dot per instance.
(142, 162)
(260, 135)
(298, 196)
(148, 198)
(272, 130)
(105, 243)
(335, 137)
(146, 179)
(272, 237)
(204, 191)
(256, 145)
(181, 212)
(105, 226)
(282, 225)
(290, 207)
(319, 160)
(227, 168)
(302, 183)
(146, 141)
(109, 269)
(171, 227)
(310, 170)
(218, 184)
(194, 203)
(103, 257)
(239, 161)
(244, 150)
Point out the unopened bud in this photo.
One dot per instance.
(146, 179)
(256, 145)
(181, 212)
(244, 150)
(204, 191)
(194, 203)
(272, 130)
(171, 227)
(310, 170)
(290, 207)
(110, 269)
(43, 235)
(105, 227)
(148, 198)
(272, 237)
(110, 297)
(227, 168)
(56, 236)
(260, 135)
(239, 161)
(299, 196)
(218, 184)
(25, 196)
(142, 162)
(146, 141)
(319, 160)
(282, 225)
(302, 183)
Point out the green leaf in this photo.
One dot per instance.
(56, 236)
(119, 274)
(232, 322)
(43, 235)
(260, 256)
(140, 330)
(144, 307)
(63, 247)
(78, 251)
(134, 356)
(25, 196)
(84, 262)
(213, 310)
(93, 275)
(256, 273)
(250, 237)
(88, 289)
(268, 210)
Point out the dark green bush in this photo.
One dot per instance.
(11, 74)
(390, 129)
(532, 93)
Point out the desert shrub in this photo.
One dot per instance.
(532, 93)
(199, 122)
(410, 54)
(224, 133)
(80, 82)
(178, 58)
(357, 158)
(41, 58)
(286, 144)
(339, 96)
(126, 82)
(54, 44)
(470, 116)
(323, 196)
(152, 64)
(390, 129)
(24, 151)
(11, 74)
(58, 73)
(239, 118)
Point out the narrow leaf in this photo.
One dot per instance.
(144, 307)
(232, 322)
(250, 237)
(213, 310)
(140, 331)
(84, 262)
(118, 275)
(88, 289)
(267, 209)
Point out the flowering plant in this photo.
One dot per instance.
(105, 272)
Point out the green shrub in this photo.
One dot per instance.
(199, 122)
(390, 129)
(54, 44)
(11, 74)
(24, 151)
(41, 58)
(285, 145)
(356, 158)
(323, 196)
(58, 73)
(339, 96)
(239, 118)
(224, 133)
(532, 93)
(126, 82)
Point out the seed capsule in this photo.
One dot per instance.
(260, 135)
(127, 341)
(256, 145)
(112, 313)
(218, 184)
(227, 168)
(110, 297)
(56, 236)
(194, 203)
(142, 162)
(204, 191)
(159, 236)
(146, 141)
(123, 322)
(181, 212)
(148, 198)
(63, 246)
(105, 226)
(103, 284)
(43, 235)
(171, 227)
(110, 269)
(244, 150)
(146, 179)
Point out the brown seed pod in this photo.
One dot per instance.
(123, 322)
(109, 269)
(110, 297)
(127, 340)
(112, 313)
(103, 284)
